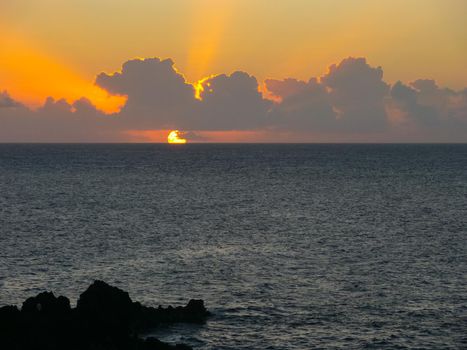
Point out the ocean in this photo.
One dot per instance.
(291, 246)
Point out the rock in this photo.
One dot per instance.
(148, 317)
(104, 309)
(47, 304)
(105, 318)
(155, 344)
(195, 311)
(8, 313)
(10, 320)
(44, 320)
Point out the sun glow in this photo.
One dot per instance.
(31, 75)
(200, 86)
(175, 137)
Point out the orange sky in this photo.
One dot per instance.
(160, 136)
(55, 48)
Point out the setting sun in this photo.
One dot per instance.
(174, 137)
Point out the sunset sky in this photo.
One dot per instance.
(54, 48)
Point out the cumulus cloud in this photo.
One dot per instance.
(349, 99)
(422, 108)
(302, 106)
(406, 101)
(231, 103)
(57, 121)
(158, 95)
(350, 102)
(6, 101)
(357, 92)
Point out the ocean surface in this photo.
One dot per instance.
(290, 246)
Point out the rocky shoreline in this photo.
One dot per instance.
(105, 318)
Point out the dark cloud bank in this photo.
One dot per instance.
(350, 103)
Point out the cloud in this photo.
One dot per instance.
(351, 102)
(193, 136)
(302, 106)
(405, 99)
(446, 103)
(357, 93)
(7, 102)
(348, 99)
(422, 108)
(158, 95)
(231, 103)
(57, 121)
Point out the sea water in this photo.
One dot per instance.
(290, 246)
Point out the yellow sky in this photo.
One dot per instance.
(56, 47)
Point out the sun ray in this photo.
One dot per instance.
(210, 21)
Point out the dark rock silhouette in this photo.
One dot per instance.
(105, 318)
(47, 304)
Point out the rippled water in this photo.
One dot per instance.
(291, 246)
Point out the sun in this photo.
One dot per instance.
(174, 137)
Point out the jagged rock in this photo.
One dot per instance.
(8, 313)
(147, 317)
(105, 318)
(103, 309)
(47, 304)
(155, 344)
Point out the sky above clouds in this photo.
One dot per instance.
(233, 71)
